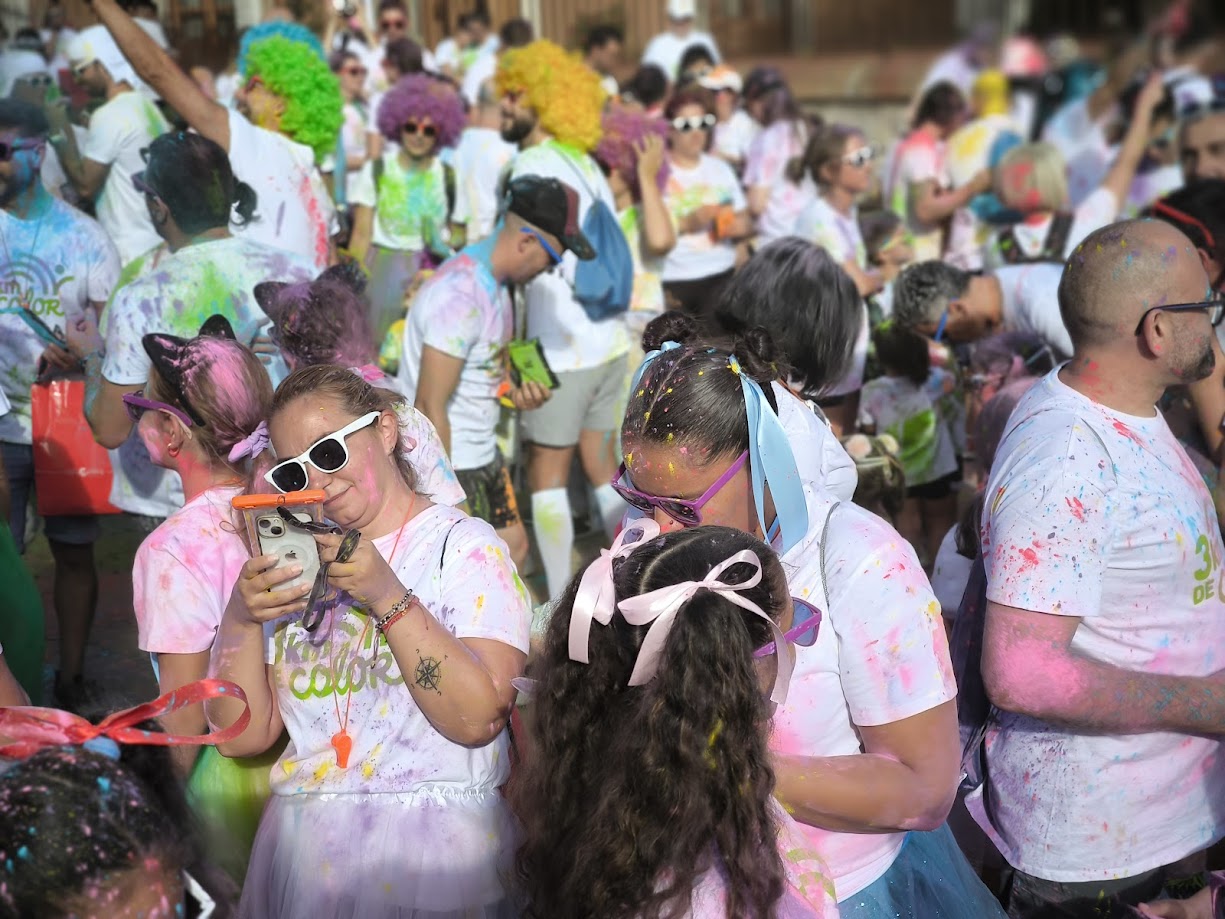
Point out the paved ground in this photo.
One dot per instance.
(112, 660)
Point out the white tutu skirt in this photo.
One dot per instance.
(423, 855)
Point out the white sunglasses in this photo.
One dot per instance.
(860, 157)
(328, 454)
(693, 122)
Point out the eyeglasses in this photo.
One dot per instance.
(9, 150)
(535, 234)
(860, 157)
(805, 623)
(139, 183)
(419, 127)
(944, 320)
(686, 513)
(693, 123)
(136, 405)
(386, 25)
(328, 454)
(1214, 308)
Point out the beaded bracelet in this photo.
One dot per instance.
(396, 612)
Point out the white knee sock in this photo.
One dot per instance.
(554, 528)
(612, 507)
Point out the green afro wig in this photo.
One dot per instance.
(563, 91)
(311, 92)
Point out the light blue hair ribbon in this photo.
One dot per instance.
(771, 461)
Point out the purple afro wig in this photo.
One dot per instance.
(623, 131)
(418, 96)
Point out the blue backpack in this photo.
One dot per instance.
(604, 284)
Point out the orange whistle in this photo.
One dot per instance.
(503, 390)
(343, 744)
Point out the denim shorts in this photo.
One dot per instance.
(19, 468)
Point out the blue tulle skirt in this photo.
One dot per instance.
(929, 879)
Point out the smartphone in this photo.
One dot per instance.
(269, 534)
(528, 363)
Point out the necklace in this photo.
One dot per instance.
(342, 742)
(8, 256)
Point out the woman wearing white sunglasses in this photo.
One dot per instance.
(707, 204)
(386, 801)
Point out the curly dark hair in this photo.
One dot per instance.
(633, 793)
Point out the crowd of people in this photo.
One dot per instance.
(906, 456)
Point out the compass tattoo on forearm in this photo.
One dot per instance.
(429, 672)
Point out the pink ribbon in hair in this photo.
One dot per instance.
(27, 729)
(252, 445)
(596, 599)
(659, 608)
(369, 373)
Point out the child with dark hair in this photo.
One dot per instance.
(668, 650)
(901, 403)
(96, 825)
(404, 200)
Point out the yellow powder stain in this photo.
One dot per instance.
(701, 373)
(646, 416)
(629, 460)
(322, 771)
(368, 769)
(480, 602)
(384, 710)
(640, 392)
(710, 744)
(669, 390)
(289, 768)
(671, 469)
(670, 436)
(1123, 243)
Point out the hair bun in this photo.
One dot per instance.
(673, 325)
(759, 356)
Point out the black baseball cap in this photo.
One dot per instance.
(551, 206)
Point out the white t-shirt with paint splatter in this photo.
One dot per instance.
(1099, 515)
(56, 264)
(410, 206)
(918, 158)
(880, 657)
(294, 211)
(766, 166)
(734, 136)
(173, 293)
(118, 131)
(463, 312)
(463, 574)
(184, 573)
(647, 299)
(699, 255)
(481, 158)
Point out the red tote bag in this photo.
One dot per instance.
(72, 473)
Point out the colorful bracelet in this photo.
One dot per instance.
(396, 612)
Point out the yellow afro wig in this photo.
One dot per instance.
(563, 91)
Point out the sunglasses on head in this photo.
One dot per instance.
(418, 127)
(860, 157)
(686, 513)
(136, 405)
(328, 454)
(693, 123)
(9, 150)
(139, 183)
(805, 623)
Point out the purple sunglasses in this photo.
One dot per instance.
(805, 623)
(686, 513)
(137, 405)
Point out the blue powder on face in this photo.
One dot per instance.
(105, 784)
(22, 853)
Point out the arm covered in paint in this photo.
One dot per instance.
(1029, 667)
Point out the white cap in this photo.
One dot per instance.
(721, 77)
(96, 44)
(1192, 95)
(682, 9)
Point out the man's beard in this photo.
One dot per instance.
(518, 129)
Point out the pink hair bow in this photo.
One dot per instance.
(27, 729)
(369, 373)
(595, 599)
(660, 607)
(252, 445)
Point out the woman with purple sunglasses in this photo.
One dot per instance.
(865, 748)
(667, 650)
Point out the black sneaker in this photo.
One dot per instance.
(75, 695)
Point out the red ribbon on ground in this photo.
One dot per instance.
(27, 729)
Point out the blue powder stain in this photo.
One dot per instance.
(22, 853)
(105, 784)
(8, 864)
